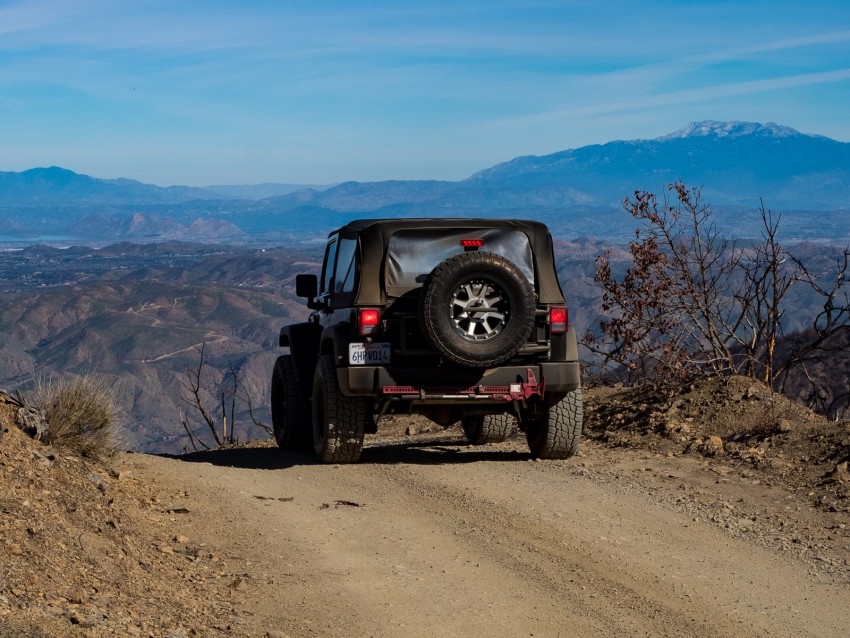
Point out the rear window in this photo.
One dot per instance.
(413, 254)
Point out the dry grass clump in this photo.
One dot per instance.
(11, 629)
(81, 413)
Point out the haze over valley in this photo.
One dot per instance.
(156, 274)
(577, 192)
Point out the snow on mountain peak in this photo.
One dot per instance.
(713, 128)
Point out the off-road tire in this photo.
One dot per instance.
(291, 419)
(555, 434)
(477, 309)
(490, 428)
(338, 421)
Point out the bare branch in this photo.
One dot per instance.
(692, 303)
(192, 383)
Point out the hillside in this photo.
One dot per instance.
(716, 512)
(59, 186)
(735, 163)
(89, 549)
(140, 314)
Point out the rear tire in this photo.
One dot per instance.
(290, 408)
(338, 421)
(489, 428)
(556, 433)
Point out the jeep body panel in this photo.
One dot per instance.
(455, 385)
(450, 318)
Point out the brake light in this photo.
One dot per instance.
(472, 243)
(558, 320)
(368, 320)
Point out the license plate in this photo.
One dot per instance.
(360, 354)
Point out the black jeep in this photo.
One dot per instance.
(456, 319)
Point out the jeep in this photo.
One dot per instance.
(455, 319)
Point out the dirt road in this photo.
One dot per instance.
(432, 537)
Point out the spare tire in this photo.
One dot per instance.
(477, 309)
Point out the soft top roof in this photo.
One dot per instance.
(374, 236)
(387, 227)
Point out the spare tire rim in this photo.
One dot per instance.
(479, 310)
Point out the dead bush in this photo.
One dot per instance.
(81, 413)
(694, 304)
(11, 628)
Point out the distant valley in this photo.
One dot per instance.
(156, 273)
(139, 313)
(577, 192)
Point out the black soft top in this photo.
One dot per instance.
(374, 235)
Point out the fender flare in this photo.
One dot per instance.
(334, 341)
(302, 339)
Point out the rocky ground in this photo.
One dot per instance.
(154, 547)
(90, 550)
(780, 472)
(739, 428)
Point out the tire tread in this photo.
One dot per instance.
(557, 433)
(489, 428)
(344, 418)
(291, 418)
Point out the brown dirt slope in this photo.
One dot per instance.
(717, 510)
(734, 422)
(89, 551)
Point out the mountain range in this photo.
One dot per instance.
(737, 165)
(138, 311)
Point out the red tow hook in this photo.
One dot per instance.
(524, 391)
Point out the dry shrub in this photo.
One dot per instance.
(81, 413)
(10, 628)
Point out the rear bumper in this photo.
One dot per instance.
(452, 386)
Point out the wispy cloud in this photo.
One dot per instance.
(630, 103)
(459, 83)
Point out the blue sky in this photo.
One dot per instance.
(317, 92)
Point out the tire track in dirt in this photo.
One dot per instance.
(447, 539)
